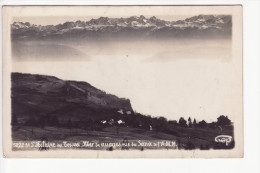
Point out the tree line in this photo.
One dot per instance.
(137, 120)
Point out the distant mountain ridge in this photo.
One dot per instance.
(200, 26)
(40, 95)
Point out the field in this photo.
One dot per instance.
(181, 138)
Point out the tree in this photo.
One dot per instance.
(162, 119)
(182, 122)
(194, 123)
(212, 125)
(202, 123)
(189, 121)
(223, 120)
(161, 123)
(147, 122)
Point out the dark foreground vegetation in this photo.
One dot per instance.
(45, 107)
(188, 135)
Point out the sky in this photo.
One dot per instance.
(55, 20)
(46, 15)
(55, 15)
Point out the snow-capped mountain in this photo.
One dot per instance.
(202, 25)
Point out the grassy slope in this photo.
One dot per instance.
(198, 137)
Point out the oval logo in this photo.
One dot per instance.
(223, 139)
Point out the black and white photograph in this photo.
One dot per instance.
(123, 81)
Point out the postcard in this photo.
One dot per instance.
(122, 82)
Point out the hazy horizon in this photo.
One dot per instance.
(175, 70)
(170, 78)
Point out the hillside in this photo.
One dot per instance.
(48, 108)
(40, 96)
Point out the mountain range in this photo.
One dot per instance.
(40, 95)
(134, 26)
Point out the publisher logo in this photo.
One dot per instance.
(223, 139)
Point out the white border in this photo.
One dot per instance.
(251, 160)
